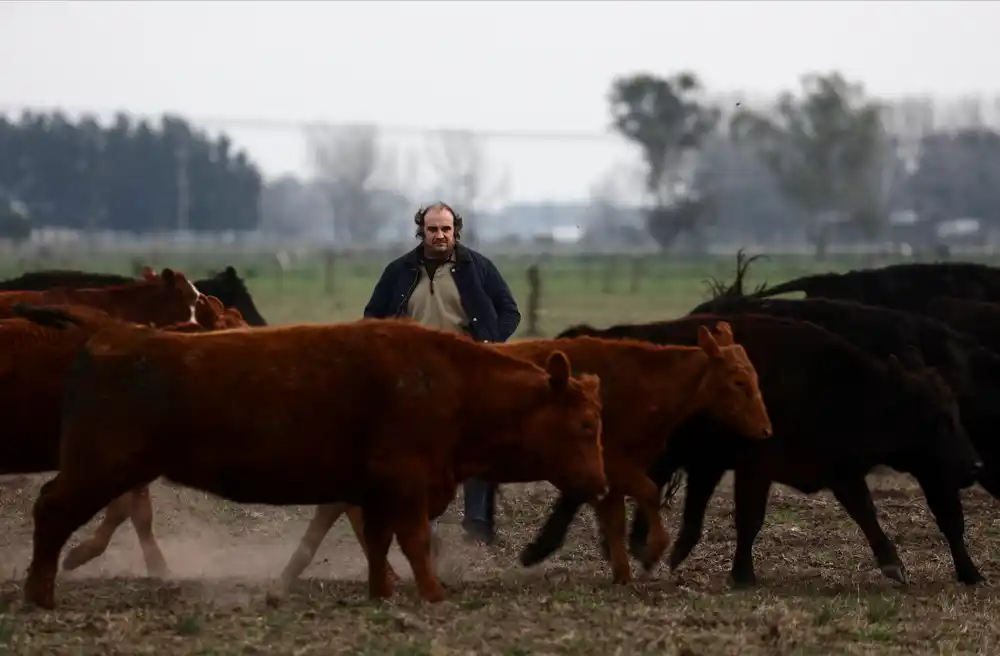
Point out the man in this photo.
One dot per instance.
(445, 285)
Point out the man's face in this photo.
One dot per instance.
(439, 231)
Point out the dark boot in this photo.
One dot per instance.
(480, 506)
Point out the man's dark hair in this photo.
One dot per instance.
(418, 218)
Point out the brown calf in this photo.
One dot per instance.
(647, 391)
(160, 300)
(313, 414)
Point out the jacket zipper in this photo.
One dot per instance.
(409, 292)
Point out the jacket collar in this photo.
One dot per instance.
(415, 256)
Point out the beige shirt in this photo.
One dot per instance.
(435, 301)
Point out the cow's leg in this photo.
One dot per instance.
(142, 522)
(552, 535)
(751, 492)
(323, 520)
(357, 521)
(137, 506)
(701, 484)
(378, 536)
(854, 495)
(114, 516)
(64, 504)
(661, 474)
(413, 532)
(647, 496)
(946, 506)
(611, 518)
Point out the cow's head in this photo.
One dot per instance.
(229, 288)
(161, 300)
(210, 313)
(730, 384)
(565, 430)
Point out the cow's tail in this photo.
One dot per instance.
(46, 316)
(805, 284)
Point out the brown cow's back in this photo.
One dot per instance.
(340, 399)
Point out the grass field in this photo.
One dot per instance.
(820, 592)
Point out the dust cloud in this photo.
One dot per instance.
(204, 538)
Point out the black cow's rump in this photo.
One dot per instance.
(884, 285)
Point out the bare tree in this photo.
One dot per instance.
(358, 173)
(466, 177)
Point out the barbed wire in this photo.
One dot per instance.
(302, 125)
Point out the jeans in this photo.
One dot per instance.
(480, 508)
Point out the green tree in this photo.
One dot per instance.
(666, 120)
(829, 153)
(132, 177)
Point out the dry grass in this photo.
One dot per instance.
(819, 591)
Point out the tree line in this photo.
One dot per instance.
(133, 176)
(828, 158)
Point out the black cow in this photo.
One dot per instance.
(884, 285)
(882, 288)
(837, 413)
(972, 371)
(226, 286)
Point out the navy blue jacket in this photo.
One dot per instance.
(486, 299)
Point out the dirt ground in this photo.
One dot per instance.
(819, 592)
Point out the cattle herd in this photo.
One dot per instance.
(114, 382)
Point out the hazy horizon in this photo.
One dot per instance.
(483, 65)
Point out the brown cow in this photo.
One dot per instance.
(37, 349)
(647, 391)
(312, 414)
(160, 300)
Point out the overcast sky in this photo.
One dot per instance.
(502, 66)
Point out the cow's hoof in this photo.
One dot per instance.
(972, 578)
(530, 555)
(895, 573)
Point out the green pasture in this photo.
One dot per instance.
(596, 290)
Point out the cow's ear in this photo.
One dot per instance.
(725, 333)
(559, 370)
(707, 342)
(169, 278)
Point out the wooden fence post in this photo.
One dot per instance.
(329, 266)
(534, 300)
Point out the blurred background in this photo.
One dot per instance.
(609, 157)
